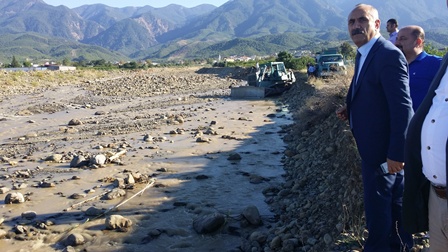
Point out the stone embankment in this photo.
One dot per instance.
(320, 204)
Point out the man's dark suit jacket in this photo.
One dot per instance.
(416, 186)
(379, 105)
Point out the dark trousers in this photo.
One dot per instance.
(383, 195)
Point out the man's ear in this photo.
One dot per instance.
(419, 42)
(378, 24)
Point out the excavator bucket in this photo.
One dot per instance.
(247, 92)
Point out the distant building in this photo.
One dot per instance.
(302, 53)
(46, 64)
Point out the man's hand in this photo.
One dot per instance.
(394, 166)
(341, 113)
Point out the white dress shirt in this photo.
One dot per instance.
(393, 37)
(364, 51)
(434, 136)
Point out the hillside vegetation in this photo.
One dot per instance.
(174, 33)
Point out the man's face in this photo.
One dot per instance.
(362, 27)
(406, 41)
(391, 27)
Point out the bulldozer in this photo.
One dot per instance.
(265, 80)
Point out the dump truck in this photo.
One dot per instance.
(265, 80)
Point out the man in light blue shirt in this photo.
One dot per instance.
(392, 29)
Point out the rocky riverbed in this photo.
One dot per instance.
(164, 160)
(153, 160)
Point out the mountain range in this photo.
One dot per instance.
(34, 30)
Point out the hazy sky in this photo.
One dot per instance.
(135, 3)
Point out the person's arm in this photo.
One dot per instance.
(395, 83)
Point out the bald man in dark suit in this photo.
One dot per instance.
(379, 108)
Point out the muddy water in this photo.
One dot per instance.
(179, 196)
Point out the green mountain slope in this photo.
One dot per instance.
(37, 48)
(173, 32)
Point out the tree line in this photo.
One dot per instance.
(291, 62)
